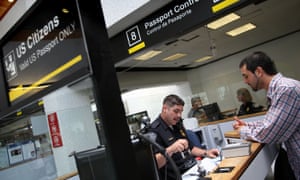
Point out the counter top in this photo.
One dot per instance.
(231, 119)
(232, 134)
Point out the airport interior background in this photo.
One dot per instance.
(206, 65)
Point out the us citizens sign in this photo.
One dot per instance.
(44, 49)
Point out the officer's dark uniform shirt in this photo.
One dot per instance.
(165, 137)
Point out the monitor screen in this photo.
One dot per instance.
(212, 111)
(93, 164)
(134, 121)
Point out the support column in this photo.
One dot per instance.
(76, 125)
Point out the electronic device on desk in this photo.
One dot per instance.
(134, 121)
(216, 135)
(93, 164)
(212, 111)
(211, 136)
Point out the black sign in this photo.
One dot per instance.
(173, 20)
(43, 49)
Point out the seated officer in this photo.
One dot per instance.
(172, 136)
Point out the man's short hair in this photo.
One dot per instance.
(259, 59)
(172, 100)
(195, 99)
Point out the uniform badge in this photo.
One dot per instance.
(182, 133)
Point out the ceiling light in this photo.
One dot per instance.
(65, 10)
(241, 29)
(174, 57)
(203, 59)
(223, 21)
(147, 55)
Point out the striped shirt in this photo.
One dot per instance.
(282, 121)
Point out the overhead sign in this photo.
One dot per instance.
(173, 20)
(45, 48)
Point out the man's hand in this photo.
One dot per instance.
(212, 153)
(238, 123)
(178, 146)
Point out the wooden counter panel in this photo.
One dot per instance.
(67, 176)
(232, 134)
(231, 119)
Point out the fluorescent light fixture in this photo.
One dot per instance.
(65, 10)
(174, 57)
(147, 55)
(203, 59)
(223, 21)
(241, 29)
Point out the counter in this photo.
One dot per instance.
(254, 166)
(231, 119)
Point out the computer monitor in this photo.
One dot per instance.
(134, 121)
(93, 164)
(212, 111)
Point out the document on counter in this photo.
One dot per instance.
(208, 163)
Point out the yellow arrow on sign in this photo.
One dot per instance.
(20, 90)
(223, 5)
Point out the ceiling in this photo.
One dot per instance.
(273, 18)
(5, 6)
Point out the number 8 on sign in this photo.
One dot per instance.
(133, 36)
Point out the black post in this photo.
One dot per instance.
(107, 91)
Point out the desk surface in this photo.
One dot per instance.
(240, 165)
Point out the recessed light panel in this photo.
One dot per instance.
(241, 29)
(223, 21)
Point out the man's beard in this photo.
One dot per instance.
(256, 85)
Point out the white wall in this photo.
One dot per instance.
(76, 124)
(151, 99)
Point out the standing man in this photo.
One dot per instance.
(282, 122)
(172, 136)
